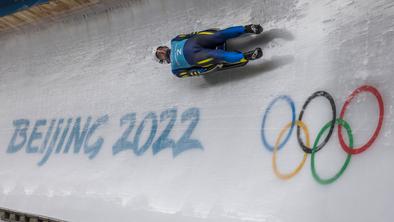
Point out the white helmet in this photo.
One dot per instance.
(162, 54)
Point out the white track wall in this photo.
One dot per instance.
(71, 90)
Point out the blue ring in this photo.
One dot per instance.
(291, 103)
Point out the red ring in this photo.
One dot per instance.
(375, 92)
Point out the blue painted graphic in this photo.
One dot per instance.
(62, 136)
(141, 150)
(122, 143)
(268, 110)
(164, 140)
(43, 142)
(185, 142)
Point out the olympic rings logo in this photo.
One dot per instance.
(306, 147)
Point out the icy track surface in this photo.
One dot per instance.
(93, 130)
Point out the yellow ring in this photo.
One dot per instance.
(278, 140)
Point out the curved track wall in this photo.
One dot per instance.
(93, 130)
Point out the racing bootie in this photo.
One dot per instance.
(254, 28)
(254, 54)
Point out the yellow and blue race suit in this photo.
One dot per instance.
(193, 54)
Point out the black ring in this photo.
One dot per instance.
(334, 116)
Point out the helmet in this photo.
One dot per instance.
(162, 54)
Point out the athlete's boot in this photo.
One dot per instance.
(254, 28)
(254, 54)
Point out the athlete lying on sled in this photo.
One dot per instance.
(203, 52)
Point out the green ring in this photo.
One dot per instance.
(350, 135)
